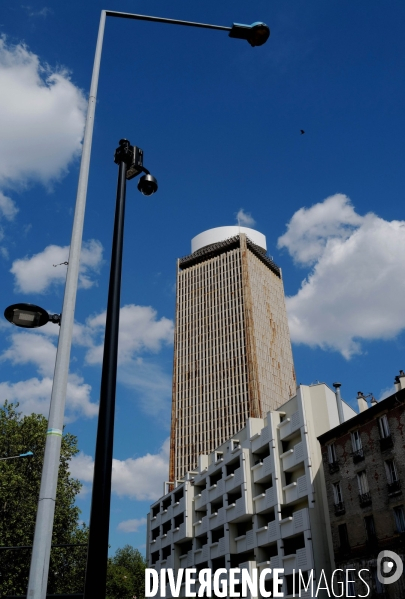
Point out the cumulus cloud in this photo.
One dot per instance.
(354, 290)
(137, 478)
(37, 273)
(140, 330)
(8, 209)
(132, 525)
(34, 394)
(152, 384)
(42, 115)
(245, 219)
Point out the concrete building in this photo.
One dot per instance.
(257, 501)
(232, 353)
(364, 467)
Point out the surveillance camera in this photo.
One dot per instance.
(147, 185)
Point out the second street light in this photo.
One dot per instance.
(130, 161)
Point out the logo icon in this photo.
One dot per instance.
(389, 567)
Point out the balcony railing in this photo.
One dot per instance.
(386, 443)
(394, 488)
(364, 499)
(358, 455)
(333, 467)
(340, 508)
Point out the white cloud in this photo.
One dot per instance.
(355, 289)
(31, 348)
(42, 116)
(245, 219)
(34, 394)
(37, 273)
(140, 330)
(137, 478)
(311, 229)
(8, 209)
(132, 525)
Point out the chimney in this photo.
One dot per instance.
(373, 402)
(397, 384)
(401, 380)
(361, 402)
(339, 402)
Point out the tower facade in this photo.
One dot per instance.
(232, 351)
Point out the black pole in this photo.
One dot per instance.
(96, 569)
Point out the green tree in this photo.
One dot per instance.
(126, 574)
(19, 491)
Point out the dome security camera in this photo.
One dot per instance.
(147, 185)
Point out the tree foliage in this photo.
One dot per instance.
(126, 574)
(19, 490)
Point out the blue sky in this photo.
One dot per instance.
(219, 123)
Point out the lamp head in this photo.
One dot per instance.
(27, 316)
(147, 185)
(256, 34)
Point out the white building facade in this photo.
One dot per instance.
(258, 501)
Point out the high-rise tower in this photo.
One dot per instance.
(232, 351)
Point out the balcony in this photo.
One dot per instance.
(233, 480)
(333, 467)
(394, 488)
(201, 500)
(386, 443)
(235, 510)
(340, 508)
(301, 560)
(201, 526)
(263, 469)
(364, 499)
(218, 548)
(357, 455)
(296, 490)
(179, 533)
(293, 457)
(295, 524)
(201, 555)
(216, 490)
(268, 534)
(179, 506)
(265, 500)
(260, 439)
(288, 426)
(217, 518)
(245, 542)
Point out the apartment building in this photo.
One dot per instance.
(257, 501)
(364, 468)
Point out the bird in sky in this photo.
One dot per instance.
(302, 131)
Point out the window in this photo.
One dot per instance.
(332, 453)
(343, 536)
(391, 471)
(362, 482)
(370, 528)
(384, 427)
(399, 516)
(356, 441)
(337, 493)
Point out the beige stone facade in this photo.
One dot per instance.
(232, 354)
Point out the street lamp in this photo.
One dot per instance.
(130, 161)
(29, 316)
(27, 454)
(256, 35)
